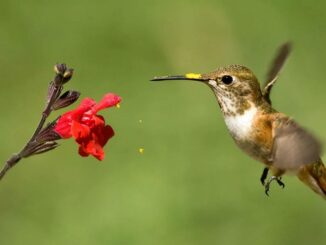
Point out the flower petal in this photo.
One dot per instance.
(88, 129)
(79, 131)
(98, 121)
(85, 105)
(108, 100)
(63, 125)
(91, 148)
(82, 152)
(104, 134)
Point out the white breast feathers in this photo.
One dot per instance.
(240, 126)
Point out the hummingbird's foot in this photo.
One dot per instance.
(264, 176)
(277, 179)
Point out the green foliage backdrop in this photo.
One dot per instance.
(191, 185)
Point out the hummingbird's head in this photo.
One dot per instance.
(235, 87)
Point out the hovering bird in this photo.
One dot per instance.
(262, 132)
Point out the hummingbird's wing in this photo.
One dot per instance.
(275, 68)
(293, 146)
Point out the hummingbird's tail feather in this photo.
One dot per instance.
(314, 175)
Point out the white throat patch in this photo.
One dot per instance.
(212, 83)
(240, 125)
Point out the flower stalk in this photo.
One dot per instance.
(43, 138)
(89, 129)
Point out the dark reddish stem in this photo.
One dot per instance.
(14, 159)
(9, 164)
(46, 112)
(54, 92)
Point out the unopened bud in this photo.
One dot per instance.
(48, 133)
(60, 68)
(67, 75)
(66, 99)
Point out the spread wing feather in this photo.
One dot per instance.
(293, 146)
(275, 68)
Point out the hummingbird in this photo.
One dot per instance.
(269, 136)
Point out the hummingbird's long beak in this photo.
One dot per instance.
(188, 76)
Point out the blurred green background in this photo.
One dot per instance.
(191, 185)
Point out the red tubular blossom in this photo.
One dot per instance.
(88, 128)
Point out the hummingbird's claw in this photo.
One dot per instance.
(267, 185)
(280, 183)
(264, 176)
(267, 190)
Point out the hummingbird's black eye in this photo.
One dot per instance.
(227, 79)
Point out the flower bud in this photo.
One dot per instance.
(67, 75)
(48, 133)
(66, 99)
(60, 69)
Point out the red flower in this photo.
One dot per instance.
(88, 128)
